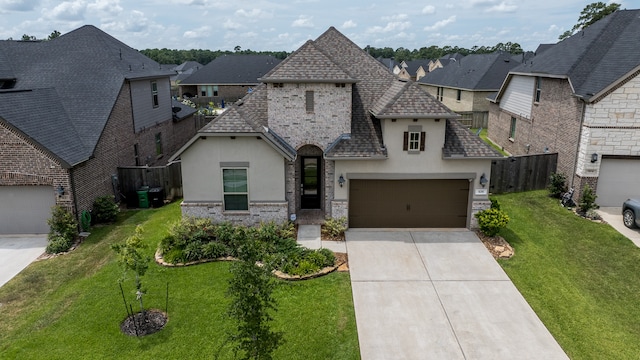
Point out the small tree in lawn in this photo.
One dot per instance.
(132, 258)
(250, 289)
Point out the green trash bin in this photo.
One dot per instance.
(143, 197)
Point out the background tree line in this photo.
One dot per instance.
(174, 56)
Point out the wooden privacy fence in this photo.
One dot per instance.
(522, 173)
(132, 178)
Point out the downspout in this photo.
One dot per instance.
(575, 160)
(73, 193)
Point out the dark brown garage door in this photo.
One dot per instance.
(408, 203)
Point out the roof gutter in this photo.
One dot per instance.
(416, 116)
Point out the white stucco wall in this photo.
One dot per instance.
(201, 170)
(427, 164)
(611, 127)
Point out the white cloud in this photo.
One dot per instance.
(18, 5)
(503, 7)
(440, 24)
(397, 17)
(349, 24)
(105, 7)
(135, 22)
(199, 33)
(254, 14)
(231, 25)
(303, 21)
(392, 26)
(67, 11)
(429, 9)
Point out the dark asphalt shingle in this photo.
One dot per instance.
(475, 72)
(87, 68)
(595, 57)
(233, 70)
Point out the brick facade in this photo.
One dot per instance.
(330, 118)
(25, 164)
(554, 126)
(611, 126)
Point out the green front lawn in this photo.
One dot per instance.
(581, 278)
(70, 307)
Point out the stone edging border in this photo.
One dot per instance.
(279, 274)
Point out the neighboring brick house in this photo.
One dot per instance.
(72, 110)
(227, 78)
(465, 84)
(331, 131)
(581, 99)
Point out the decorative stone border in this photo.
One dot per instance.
(279, 274)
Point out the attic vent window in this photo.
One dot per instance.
(340, 85)
(278, 85)
(309, 101)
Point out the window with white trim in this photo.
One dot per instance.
(414, 140)
(512, 129)
(154, 94)
(538, 88)
(235, 188)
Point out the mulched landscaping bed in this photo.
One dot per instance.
(139, 325)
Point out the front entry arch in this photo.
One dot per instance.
(310, 177)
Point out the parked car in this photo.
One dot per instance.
(631, 213)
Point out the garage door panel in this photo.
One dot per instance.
(25, 209)
(619, 179)
(408, 203)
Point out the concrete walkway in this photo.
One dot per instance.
(309, 236)
(613, 217)
(17, 252)
(439, 295)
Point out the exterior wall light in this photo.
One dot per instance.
(341, 180)
(60, 190)
(483, 180)
(594, 157)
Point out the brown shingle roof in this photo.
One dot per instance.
(307, 64)
(459, 142)
(377, 93)
(404, 100)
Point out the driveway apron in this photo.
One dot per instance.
(439, 294)
(17, 252)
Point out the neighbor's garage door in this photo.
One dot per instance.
(25, 209)
(619, 180)
(408, 203)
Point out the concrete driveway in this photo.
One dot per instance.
(439, 295)
(613, 217)
(17, 252)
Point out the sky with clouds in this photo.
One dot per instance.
(285, 25)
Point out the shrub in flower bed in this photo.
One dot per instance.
(200, 239)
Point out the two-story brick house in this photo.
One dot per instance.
(581, 99)
(331, 130)
(72, 110)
